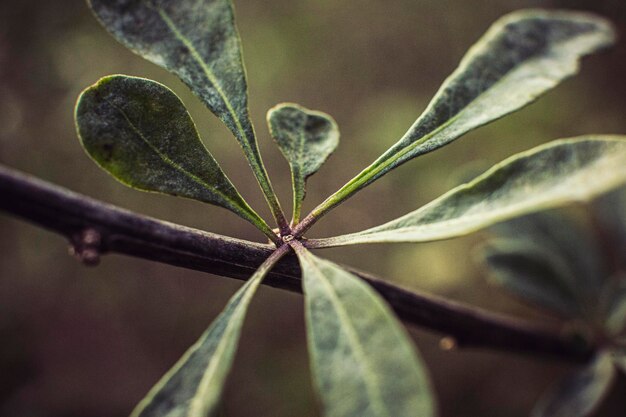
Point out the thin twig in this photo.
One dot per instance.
(95, 228)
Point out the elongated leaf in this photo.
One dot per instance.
(529, 272)
(140, 132)
(616, 318)
(523, 55)
(362, 360)
(610, 216)
(580, 393)
(549, 259)
(574, 249)
(306, 138)
(547, 176)
(193, 386)
(615, 314)
(619, 358)
(197, 40)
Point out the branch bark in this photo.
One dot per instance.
(95, 228)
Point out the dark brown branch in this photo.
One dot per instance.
(96, 228)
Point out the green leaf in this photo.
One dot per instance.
(193, 386)
(523, 55)
(615, 316)
(551, 175)
(526, 270)
(306, 138)
(569, 242)
(619, 358)
(198, 41)
(609, 213)
(551, 260)
(363, 362)
(195, 39)
(140, 132)
(580, 393)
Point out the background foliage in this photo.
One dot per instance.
(80, 342)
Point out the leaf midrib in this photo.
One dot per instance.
(300, 168)
(353, 337)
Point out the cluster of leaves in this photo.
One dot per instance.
(362, 360)
(578, 272)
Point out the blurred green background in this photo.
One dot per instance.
(90, 342)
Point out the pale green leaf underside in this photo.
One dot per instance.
(580, 393)
(306, 138)
(363, 362)
(552, 175)
(193, 386)
(197, 40)
(140, 132)
(523, 55)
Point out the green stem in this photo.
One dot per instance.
(297, 199)
(297, 246)
(258, 168)
(264, 181)
(269, 263)
(335, 199)
(262, 225)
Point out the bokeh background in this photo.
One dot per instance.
(77, 341)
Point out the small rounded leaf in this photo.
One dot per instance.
(140, 132)
(306, 138)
